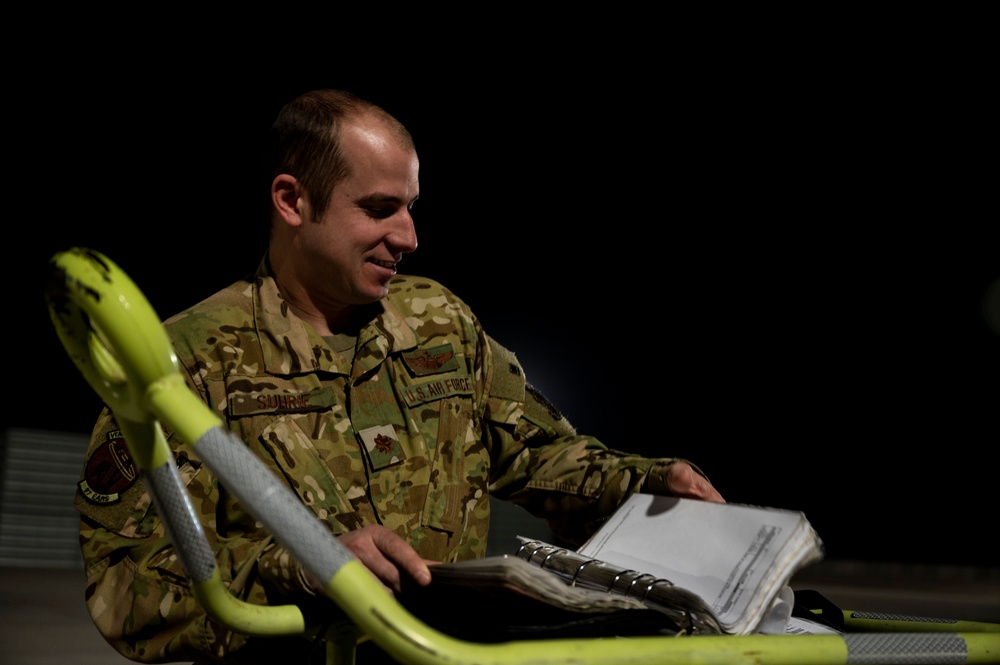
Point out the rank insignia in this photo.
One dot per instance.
(382, 445)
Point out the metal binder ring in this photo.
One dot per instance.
(583, 565)
(632, 583)
(619, 576)
(550, 555)
(538, 545)
(523, 545)
(651, 585)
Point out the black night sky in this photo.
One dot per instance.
(784, 278)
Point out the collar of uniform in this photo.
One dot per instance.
(386, 333)
(392, 324)
(291, 346)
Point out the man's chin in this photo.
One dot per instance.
(373, 294)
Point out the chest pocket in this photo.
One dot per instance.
(309, 474)
(301, 429)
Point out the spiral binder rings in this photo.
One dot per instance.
(686, 609)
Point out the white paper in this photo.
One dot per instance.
(737, 558)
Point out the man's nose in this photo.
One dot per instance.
(403, 237)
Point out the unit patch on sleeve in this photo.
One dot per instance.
(110, 471)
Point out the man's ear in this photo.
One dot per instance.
(289, 200)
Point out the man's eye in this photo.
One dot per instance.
(379, 212)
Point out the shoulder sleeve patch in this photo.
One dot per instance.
(109, 471)
(508, 377)
(543, 403)
(539, 410)
(111, 492)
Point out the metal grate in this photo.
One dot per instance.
(39, 471)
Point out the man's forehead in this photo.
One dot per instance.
(370, 132)
(367, 137)
(382, 168)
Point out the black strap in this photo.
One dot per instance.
(814, 606)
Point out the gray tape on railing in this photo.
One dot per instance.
(898, 617)
(273, 503)
(173, 505)
(905, 648)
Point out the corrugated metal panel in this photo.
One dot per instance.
(39, 470)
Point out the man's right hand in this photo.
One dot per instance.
(386, 555)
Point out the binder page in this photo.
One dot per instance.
(722, 552)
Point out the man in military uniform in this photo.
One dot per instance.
(377, 396)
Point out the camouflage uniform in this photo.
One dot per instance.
(428, 420)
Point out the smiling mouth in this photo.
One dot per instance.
(389, 265)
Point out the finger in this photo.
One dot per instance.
(684, 481)
(362, 545)
(381, 567)
(402, 554)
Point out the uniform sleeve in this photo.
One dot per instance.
(137, 593)
(573, 481)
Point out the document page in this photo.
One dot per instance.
(731, 555)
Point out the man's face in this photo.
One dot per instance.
(352, 250)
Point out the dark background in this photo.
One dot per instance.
(777, 266)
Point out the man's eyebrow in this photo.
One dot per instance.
(377, 198)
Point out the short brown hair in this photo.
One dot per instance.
(305, 140)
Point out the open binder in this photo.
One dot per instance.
(704, 568)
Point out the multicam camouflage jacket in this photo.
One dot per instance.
(414, 430)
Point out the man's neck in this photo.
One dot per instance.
(325, 321)
(325, 317)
